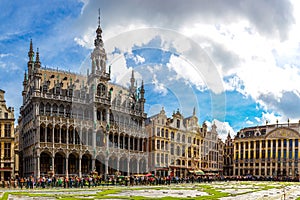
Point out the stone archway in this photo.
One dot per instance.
(133, 166)
(142, 166)
(45, 163)
(112, 165)
(86, 164)
(100, 164)
(59, 164)
(73, 165)
(123, 166)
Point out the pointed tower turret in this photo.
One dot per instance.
(37, 76)
(24, 86)
(132, 80)
(31, 52)
(142, 99)
(37, 63)
(30, 63)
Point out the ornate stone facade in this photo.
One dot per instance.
(212, 151)
(174, 144)
(228, 156)
(8, 158)
(73, 124)
(269, 150)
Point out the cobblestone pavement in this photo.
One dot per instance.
(236, 190)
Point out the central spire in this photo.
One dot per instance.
(98, 55)
(98, 41)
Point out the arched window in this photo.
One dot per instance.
(48, 109)
(68, 111)
(101, 89)
(42, 109)
(61, 110)
(54, 109)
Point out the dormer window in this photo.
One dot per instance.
(178, 123)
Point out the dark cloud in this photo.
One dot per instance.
(288, 104)
(270, 17)
(221, 55)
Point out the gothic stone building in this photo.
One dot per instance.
(7, 141)
(74, 125)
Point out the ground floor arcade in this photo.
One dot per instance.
(74, 164)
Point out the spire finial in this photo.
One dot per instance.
(194, 111)
(99, 17)
(31, 52)
(37, 55)
(98, 41)
(31, 47)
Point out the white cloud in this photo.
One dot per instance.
(186, 71)
(159, 87)
(138, 59)
(249, 122)
(270, 117)
(223, 128)
(257, 119)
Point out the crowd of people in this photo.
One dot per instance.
(93, 181)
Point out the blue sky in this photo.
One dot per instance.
(237, 64)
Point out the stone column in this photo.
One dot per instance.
(38, 166)
(260, 157)
(74, 134)
(293, 159)
(255, 157)
(234, 158)
(276, 157)
(281, 155)
(67, 166)
(239, 159)
(128, 167)
(46, 132)
(137, 167)
(60, 134)
(106, 166)
(67, 135)
(287, 167)
(266, 157)
(271, 158)
(53, 164)
(93, 163)
(53, 126)
(244, 158)
(80, 173)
